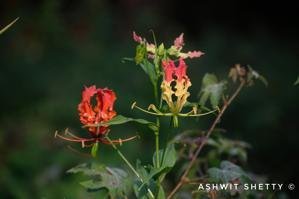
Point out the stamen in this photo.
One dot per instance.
(66, 131)
(119, 141)
(154, 108)
(75, 140)
(189, 113)
(72, 135)
(133, 105)
(83, 141)
(153, 113)
(197, 115)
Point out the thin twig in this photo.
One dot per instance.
(224, 107)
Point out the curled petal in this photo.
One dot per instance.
(169, 69)
(106, 99)
(167, 93)
(136, 37)
(180, 71)
(86, 112)
(195, 54)
(172, 71)
(182, 93)
(88, 93)
(179, 41)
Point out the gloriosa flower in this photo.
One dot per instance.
(92, 115)
(177, 47)
(101, 112)
(175, 85)
(174, 50)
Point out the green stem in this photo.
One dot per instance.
(158, 104)
(158, 124)
(128, 164)
(156, 94)
(175, 121)
(157, 143)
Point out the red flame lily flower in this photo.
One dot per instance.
(101, 112)
(91, 115)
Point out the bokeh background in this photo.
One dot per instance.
(58, 46)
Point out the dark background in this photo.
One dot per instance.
(56, 47)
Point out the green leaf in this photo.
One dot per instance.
(114, 180)
(167, 158)
(141, 192)
(150, 173)
(94, 149)
(232, 148)
(211, 89)
(252, 74)
(297, 81)
(140, 189)
(161, 193)
(120, 119)
(161, 50)
(8, 26)
(92, 185)
(87, 169)
(140, 53)
(213, 143)
(149, 69)
(167, 162)
(141, 59)
(227, 172)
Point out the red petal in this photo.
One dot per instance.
(181, 70)
(106, 99)
(169, 69)
(136, 37)
(87, 115)
(88, 93)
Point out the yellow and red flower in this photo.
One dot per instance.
(175, 85)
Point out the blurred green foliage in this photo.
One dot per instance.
(57, 47)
